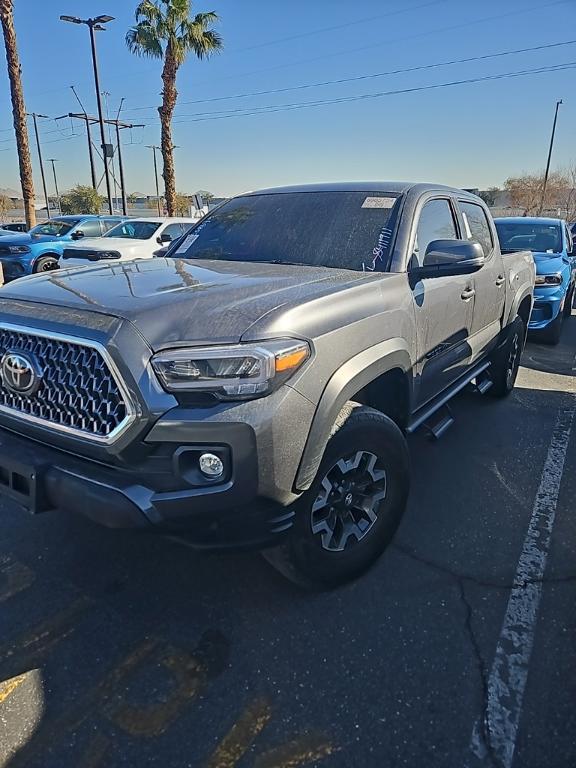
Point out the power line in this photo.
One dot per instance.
(322, 30)
(371, 76)
(384, 41)
(269, 109)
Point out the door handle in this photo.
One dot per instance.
(500, 280)
(467, 294)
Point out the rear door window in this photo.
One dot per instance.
(476, 226)
(107, 224)
(90, 228)
(436, 222)
(172, 231)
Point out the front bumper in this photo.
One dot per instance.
(548, 303)
(15, 268)
(211, 515)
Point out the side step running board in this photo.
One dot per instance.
(483, 384)
(422, 416)
(437, 429)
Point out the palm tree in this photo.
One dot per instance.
(165, 30)
(18, 109)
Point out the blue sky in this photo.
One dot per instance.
(473, 135)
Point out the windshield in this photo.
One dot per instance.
(56, 227)
(527, 236)
(134, 230)
(343, 230)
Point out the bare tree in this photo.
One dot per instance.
(5, 205)
(526, 192)
(570, 204)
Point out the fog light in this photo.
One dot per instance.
(211, 465)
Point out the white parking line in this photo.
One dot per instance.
(509, 671)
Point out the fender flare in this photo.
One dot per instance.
(527, 292)
(37, 258)
(349, 379)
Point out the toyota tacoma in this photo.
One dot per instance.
(254, 387)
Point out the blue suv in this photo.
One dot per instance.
(39, 249)
(554, 250)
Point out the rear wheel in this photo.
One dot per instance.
(46, 264)
(506, 362)
(348, 516)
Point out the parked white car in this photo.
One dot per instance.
(132, 239)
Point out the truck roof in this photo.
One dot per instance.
(397, 187)
(530, 219)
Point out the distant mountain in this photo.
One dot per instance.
(11, 193)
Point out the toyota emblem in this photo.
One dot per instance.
(19, 373)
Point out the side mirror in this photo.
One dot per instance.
(451, 257)
(77, 235)
(165, 238)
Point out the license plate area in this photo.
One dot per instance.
(23, 484)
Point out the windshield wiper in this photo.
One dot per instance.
(281, 261)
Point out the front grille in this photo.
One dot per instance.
(84, 253)
(77, 391)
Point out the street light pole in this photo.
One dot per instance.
(53, 160)
(100, 113)
(93, 25)
(153, 147)
(549, 158)
(35, 117)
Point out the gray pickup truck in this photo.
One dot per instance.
(254, 387)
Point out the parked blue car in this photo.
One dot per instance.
(39, 249)
(554, 250)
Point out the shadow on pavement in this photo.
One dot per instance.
(148, 653)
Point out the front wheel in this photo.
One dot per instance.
(568, 303)
(350, 513)
(551, 334)
(46, 264)
(506, 362)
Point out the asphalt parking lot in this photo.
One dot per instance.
(457, 649)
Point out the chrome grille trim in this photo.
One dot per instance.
(131, 409)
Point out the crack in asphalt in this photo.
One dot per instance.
(485, 734)
(459, 579)
(480, 582)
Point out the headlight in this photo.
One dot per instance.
(555, 279)
(18, 249)
(236, 372)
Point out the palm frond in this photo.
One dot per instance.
(177, 11)
(148, 10)
(194, 36)
(143, 40)
(205, 19)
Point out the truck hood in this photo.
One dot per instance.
(173, 301)
(107, 244)
(24, 238)
(549, 263)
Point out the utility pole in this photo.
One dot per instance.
(52, 160)
(35, 117)
(153, 147)
(89, 135)
(120, 163)
(549, 158)
(93, 25)
(90, 120)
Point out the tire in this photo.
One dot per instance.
(46, 264)
(506, 361)
(366, 459)
(568, 303)
(551, 334)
